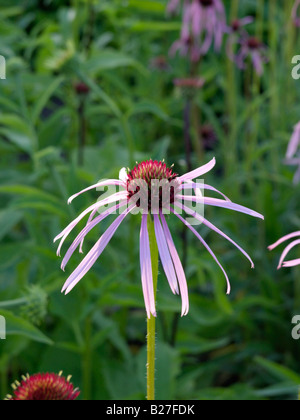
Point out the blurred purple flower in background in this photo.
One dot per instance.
(238, 24)
(251, 48)
(292, 155)
(282, 262)
(204, 23)
(235, 31)
(173, 6)
(295, 15)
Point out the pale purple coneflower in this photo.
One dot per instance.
(173, 6)
(251, 48)
(137, 190)
(295, 16)
(204, 23)
(292, 156)
(282, 261)
(235, 31)
(237, 25)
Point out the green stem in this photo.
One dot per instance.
(151, 320)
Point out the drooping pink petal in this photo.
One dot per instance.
(220, 203)
(178, 267)
(165, 257)
(291, 263)
(146, 268)
(109, 200)
(246, 20)
(198, 172)
(86, 230)
(294, 142)
(257, 62)
(286, 251)
(91, 216)
(190, 184)
(214, 228)
(284, 239)
(295, 16)
(173, 6)
(106, 183)
(206, 246)
(94, 254)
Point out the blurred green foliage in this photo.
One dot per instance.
(90, 90)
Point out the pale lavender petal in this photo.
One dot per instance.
(206, 246)
(198, 172)
(178, 267)
(85, 231)
(98, 185)
(284, 239)
(189, 185)
(220, 203)
(146, 268)
(112, 199)
(165, 257)
(196, 19)
(94, 254)
(173, 6)
(286, 251)
(91, 216)
(246, 20)
(214, 228)
(294, 142)
(295, 16)
(293, 161)
(296, 179)
(257, 62)
(291, 263)
(123, 176)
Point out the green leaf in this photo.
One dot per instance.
(147, 5)
(19, 326)
(9, 256)
(155, 26)
(17, 131)
(41, 103)
(27, 191)
(278, 370)
(148, 107)
(8, 219)
(110, 59)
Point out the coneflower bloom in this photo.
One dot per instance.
(43, 387)
(173, 6)
(151, 188)
(235, 31)
(251, 48)
(204, 23)
(295, 15)
(286, 251)
(292, 155)
(237, 25)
